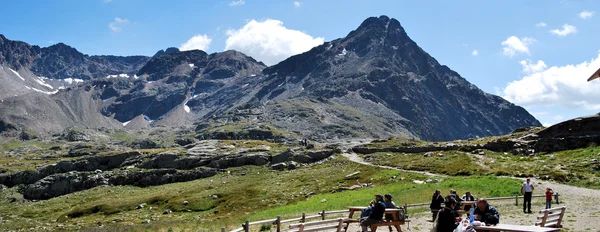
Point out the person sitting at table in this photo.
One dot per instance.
(389, 204)
(446, 219)
(378, 209)
(436, 203)
(486, 213)
(468, 197)
(367, 211)
(457, 198)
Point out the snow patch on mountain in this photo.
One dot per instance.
(71, 80)
(16, 73)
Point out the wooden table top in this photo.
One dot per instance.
(507, 227)
(358, 208)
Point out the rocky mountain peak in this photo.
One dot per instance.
(61, 51)
(16, 54)
(167, 51)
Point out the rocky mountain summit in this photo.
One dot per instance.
(376, 82)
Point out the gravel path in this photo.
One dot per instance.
(582, 214)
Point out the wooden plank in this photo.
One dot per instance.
(291, 220)
(292, 226)
(262, 222)
(311, 217)
(337, 211)
(555, 215)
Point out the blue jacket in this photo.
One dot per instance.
(378, 211)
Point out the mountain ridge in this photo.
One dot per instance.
(375, 82)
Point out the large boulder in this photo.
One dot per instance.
(279, 166)
(258, 159)
(173, 160)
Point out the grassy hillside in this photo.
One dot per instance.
(230, 198)
(574, 167)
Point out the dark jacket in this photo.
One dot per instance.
(490, 215)
(436, 202)
(447, 220)
(391, 205)
(458, 200)
(378, 211)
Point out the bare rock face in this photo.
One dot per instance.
(297, 156)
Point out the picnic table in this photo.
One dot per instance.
(393, 212)
(394, 222)
(468, 203)
(507, 227)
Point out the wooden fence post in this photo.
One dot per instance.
(303, 218)
(323, 215)
(246, 226)
(278, 223)
(517, 200)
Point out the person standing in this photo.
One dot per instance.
(527, 191)
(549, 194)
(436, 203)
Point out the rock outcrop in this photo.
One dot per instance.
(65, 183)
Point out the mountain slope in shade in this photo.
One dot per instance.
(378, 70)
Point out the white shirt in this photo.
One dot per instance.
(527, 187)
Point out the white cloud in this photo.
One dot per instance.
(117, 24)
(564, 86)
(566, 29)
(475, 52)
(529, 67)
(586, 14)
(513, 45)
(541, 24)
(297, 4)
(237, 3)
(200, 42)
(269, 41)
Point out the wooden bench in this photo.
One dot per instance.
(336, 224)
(551, 217)
(389, 223)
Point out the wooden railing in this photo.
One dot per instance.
(277, 222)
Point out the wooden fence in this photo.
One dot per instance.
(277, 222)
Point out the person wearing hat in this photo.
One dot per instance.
(376, 216)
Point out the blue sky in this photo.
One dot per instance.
(542, 67)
